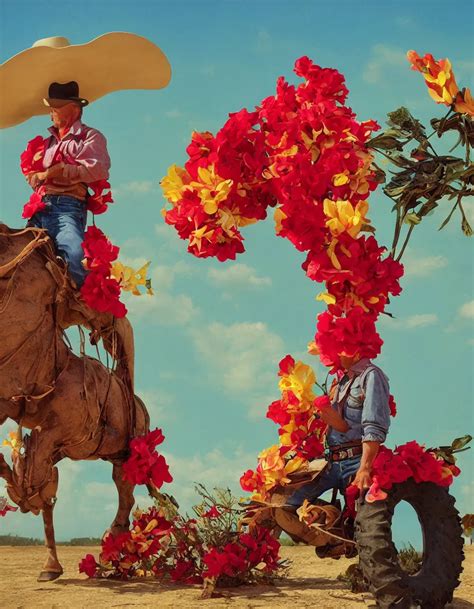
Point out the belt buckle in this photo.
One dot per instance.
(343, 455)
(350, 452)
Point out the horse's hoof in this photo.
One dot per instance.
(48, 576)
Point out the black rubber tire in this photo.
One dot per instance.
(432, 587)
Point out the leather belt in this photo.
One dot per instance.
(342, 452)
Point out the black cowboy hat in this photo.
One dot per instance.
(60, 94)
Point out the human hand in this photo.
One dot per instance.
(54, 171)
(363, 479)
(35, 179)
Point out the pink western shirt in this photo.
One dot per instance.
(83, 151)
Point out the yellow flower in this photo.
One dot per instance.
(294, 464)
(326, 297)
(300, 382)
(198, 235)
(174, 183)
(344, 217)
(211, 188)
(438, 76)
(270, 459)
(230, 221)
(130, 279)
(15, 441)
(340, 179)
(464, 103)
(279, 216)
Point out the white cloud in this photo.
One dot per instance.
(242, 355)
(238, 275)
(467, 310)
(258, 406)
(423, 266)
(164, 275)
(159, 404)
(420, 320)
(169, 240)
(384, 59)
(138, 187)
(162, 309)
(213, 469)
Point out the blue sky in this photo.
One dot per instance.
(209, 342)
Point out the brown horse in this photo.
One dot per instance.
(75, 406)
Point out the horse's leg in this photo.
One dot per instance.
(52, 568)
(5, 470)
(121, 521)
(34, 485)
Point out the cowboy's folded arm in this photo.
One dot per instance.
(376, 411)
(93, 159)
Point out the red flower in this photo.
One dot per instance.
(31, 160)
(34, 205)
(145, 464)
(392, 405)
(277, 412)
(98, 200)
(351, 494)
(286, 365)
(98, 250)
(213, 512)
(250, 481)
(322, 402)
(88, 566)
(5, 507)
(113, 546)
(102, 294)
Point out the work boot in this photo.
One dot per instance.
(287, 519)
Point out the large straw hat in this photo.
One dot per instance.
(112, 62)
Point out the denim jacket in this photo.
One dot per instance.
(362, 397)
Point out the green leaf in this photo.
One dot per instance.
(412, 219)
(385, 142)
(466, 227)
(459, 443)
(449, 216)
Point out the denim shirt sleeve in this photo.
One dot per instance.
(375, 411)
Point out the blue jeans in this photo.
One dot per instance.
(337, 475)
(65, 219)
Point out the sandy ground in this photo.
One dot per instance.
(311, 583)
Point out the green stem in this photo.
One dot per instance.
(407, 238)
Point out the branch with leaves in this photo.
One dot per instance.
(422, 177)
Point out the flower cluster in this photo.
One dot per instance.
(237, 559)
(410, 460)
(145, 464)
(207, 548)
(302, 151)
(100, 290)
(441, 82)
(301, 431)
(31, 161)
